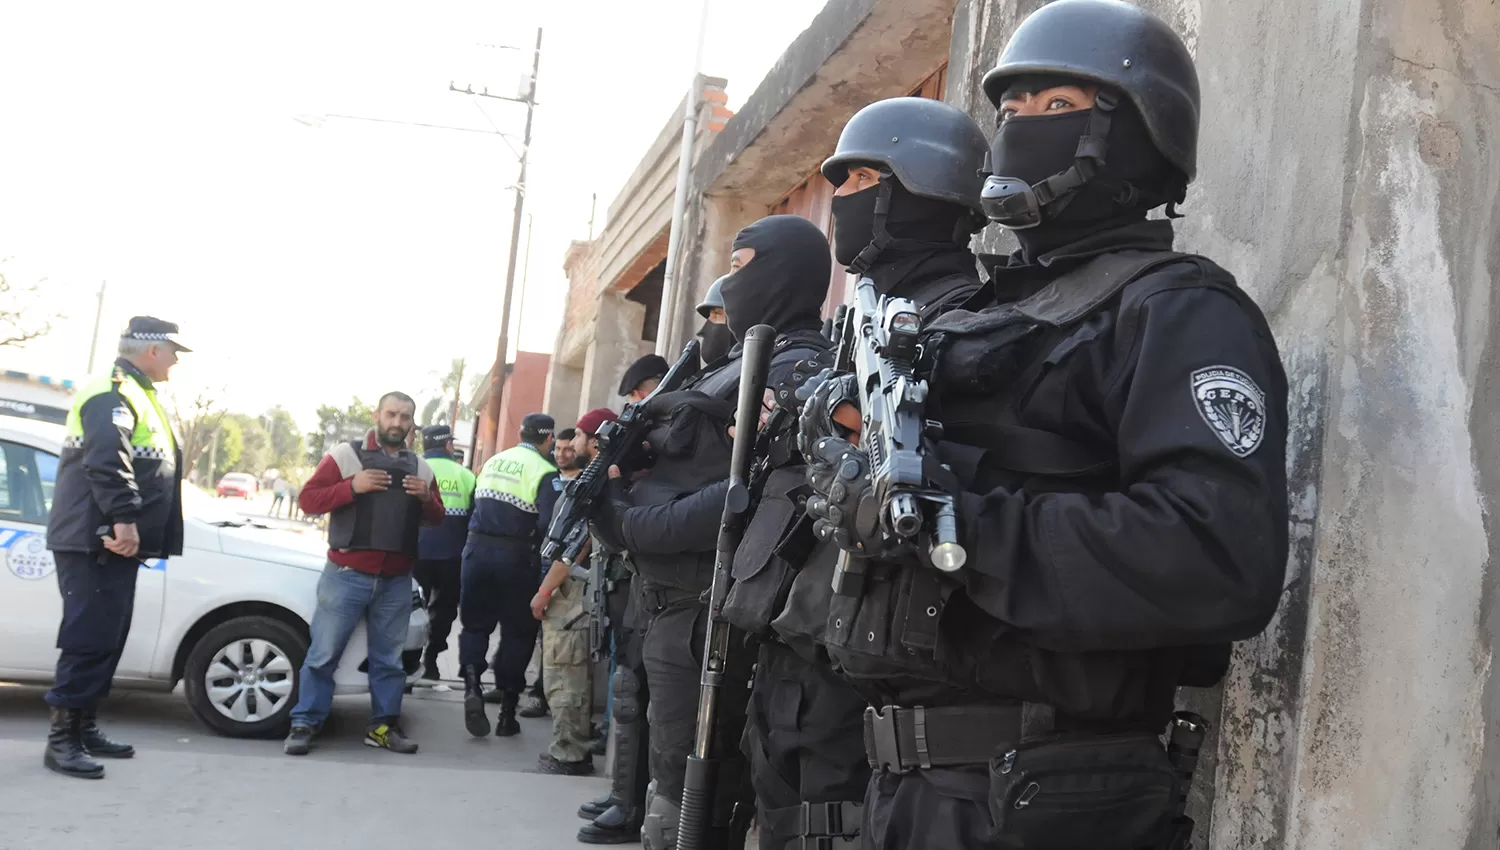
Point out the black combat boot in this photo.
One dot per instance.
(596, 807)
(95, 741)
(430, 668)
(617, 825)
(65, 752)
(475, 719)
(507, 724)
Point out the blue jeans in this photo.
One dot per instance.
(345, 595)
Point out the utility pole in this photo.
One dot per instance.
(669, 295)
(593, 203)
(98, 316)
(497, 376)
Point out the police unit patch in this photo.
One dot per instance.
(123, 418)
(1232, 405)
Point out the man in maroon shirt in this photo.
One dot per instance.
(378, 495)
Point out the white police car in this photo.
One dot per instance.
(229, 618)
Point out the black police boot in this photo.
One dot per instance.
(595, 807)
(430, 668)
(475, 719)
(507, 724)
(615, 826)
(95, 741)
(65, 752)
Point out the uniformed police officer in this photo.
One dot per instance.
(117, 502)
(781, 275)
(903, 215)
(1114, 427)
(512, 506)
(439, 568)
(715, 338)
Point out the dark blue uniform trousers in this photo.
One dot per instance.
(498, 584)
(98, 600)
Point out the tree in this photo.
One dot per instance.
(197, 427)
(229, 447)
(255, 446)
(287, 447)
(450, 404)
(17, 327)
(348, 424)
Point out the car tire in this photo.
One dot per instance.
(270, 652)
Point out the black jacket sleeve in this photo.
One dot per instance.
(688, 524)
(1191, 548)
(107, 460)
(546, 499)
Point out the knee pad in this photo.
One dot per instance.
(659, 832)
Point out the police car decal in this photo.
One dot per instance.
(26, 555)
(1233, 406)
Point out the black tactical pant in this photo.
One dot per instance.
(98, 601)
(440, 581)
(631, 700)
(939, 809)
(673, 654)
(804, 738)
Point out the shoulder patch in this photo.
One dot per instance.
(123, 418)
(1233, 406)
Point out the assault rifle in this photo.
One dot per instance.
(619, 441)
(878, 343)
(700, 783)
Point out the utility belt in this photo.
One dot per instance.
(502, 541)
(655, 598)
(820, 826)
(1054, 791)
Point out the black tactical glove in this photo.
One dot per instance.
(843, 505)
(789, 394)
(609, 513)
(824, 393)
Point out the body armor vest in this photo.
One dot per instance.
(386, 520)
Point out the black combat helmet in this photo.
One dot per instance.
(1128, 50)
(713, 299)
(934, 149)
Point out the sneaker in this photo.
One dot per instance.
(533, 706)
(494, 696)
(299, 742)
(387, 737)
(547, 764)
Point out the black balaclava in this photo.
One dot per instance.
(910, 218)
(785, 284)
(1134, 179)
(715, 341)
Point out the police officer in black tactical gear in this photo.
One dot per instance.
(907, 172)
(781, 274)
(715, 337)
(1113, 425)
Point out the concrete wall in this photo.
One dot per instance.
(1349, 178)
(525, 387)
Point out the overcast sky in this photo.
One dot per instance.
(154, 145)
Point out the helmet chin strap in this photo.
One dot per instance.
(881, 238)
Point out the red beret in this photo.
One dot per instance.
(590, 422)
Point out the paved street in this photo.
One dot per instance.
(187, 788)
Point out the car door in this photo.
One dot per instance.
(30, 604)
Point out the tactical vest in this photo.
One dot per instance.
(152, 437)
(514, 477)
(915, 627)
(691, 439)
(386, 520)
(778, 540)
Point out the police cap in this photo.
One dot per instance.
(152, 329)
(435, 437)
(536, 426)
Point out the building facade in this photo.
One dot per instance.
(1348, 177)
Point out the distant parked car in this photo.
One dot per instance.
(238, 484)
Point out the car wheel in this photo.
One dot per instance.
(241, 677)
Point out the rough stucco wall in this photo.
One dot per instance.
(1347, 178)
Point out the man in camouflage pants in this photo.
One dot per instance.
(565, 655)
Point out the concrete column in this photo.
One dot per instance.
(1363, 220)
(563, 395)
(616, 343)
(713, 222)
